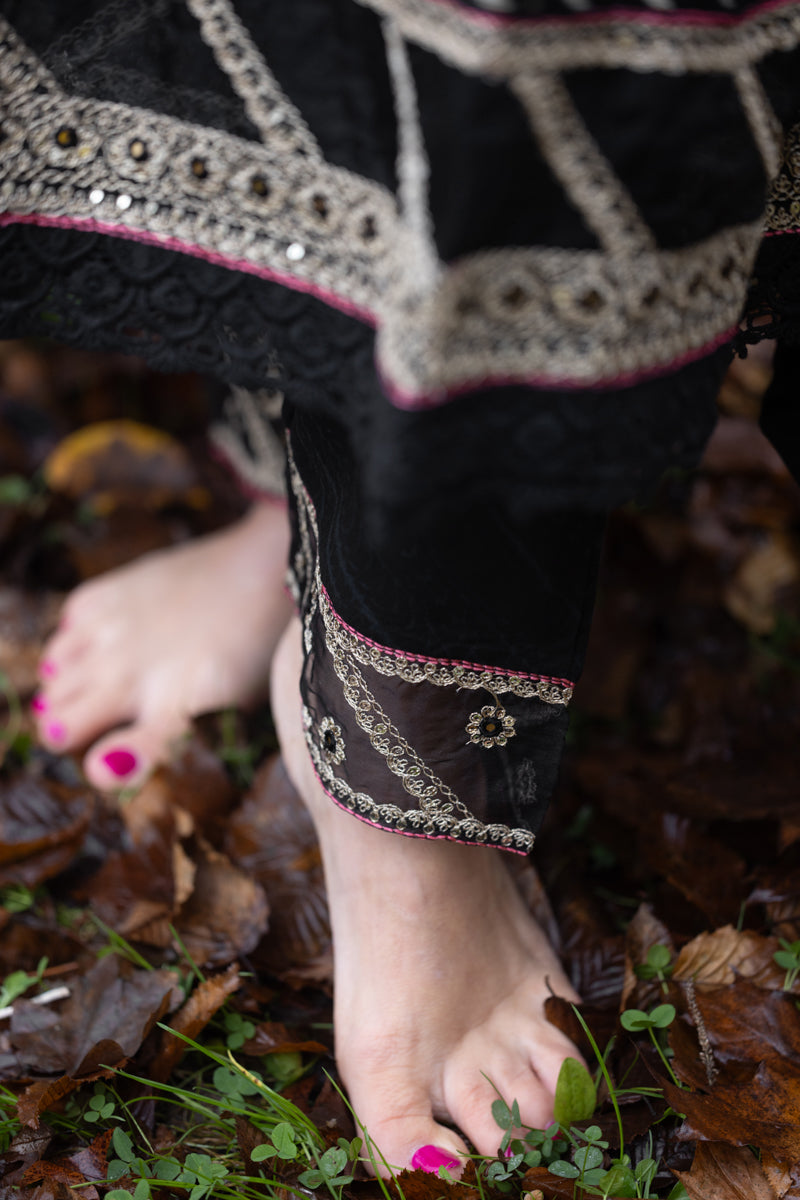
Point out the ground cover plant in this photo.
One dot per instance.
(165, 961)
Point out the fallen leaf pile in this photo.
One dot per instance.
(674, 837)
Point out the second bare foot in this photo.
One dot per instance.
(142, 650)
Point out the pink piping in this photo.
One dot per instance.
(400, 399)
(439, 662)
(430, 837)
(498, 21)
(779, 232)
(213, 256)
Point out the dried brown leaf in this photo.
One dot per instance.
(41, 1096)
(206, 999)
(195, 781)
(747, 1107)
(272, 836)
(149, 876)
(718, 958)
(272, 1037)
(753, 595)
(783, 1181)
(42, 827)
(123, 462)
(92, 1160)
(226, 915)
(723, 1172)
(644, 932)
(107, 1016)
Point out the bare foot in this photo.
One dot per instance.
(440, 973)
(177, 633)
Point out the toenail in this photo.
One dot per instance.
(39, 704)
(121, 762)
(430, 1158)
(47, 669)
(56, 732)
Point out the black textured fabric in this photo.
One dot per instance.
(460, 479)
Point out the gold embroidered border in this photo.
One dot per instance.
(395, 664)
(555, 317)
(477, 43)
(543, 315)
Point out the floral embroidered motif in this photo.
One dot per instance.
(490, 727)
(331, 741)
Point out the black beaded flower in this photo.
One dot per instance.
(331, 740)
(492, 726)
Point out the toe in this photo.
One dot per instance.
(400, 1132)
(125, 757)
(67, 721)
(511, 1072)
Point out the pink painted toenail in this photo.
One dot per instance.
(39, 704)
(47, 669)
(430, 1158)
(121, 762)
(56, 732)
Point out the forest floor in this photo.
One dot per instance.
(190, 1053)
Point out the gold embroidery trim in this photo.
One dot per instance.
(544, 315)
(783, 206)
(484, 46)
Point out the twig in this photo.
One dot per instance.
(56, 993)
(706, 1051)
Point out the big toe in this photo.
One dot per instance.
(126, 757)
(400, 1130)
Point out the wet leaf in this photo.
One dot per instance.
(227, 912)
(718, 958)
(272, 1037)
(752, 1106)
(723, 1172)
(41, 828)
(107, 1016)
(123, 462)
(746, 1024)
(272, 836)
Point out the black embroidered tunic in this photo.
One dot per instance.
(491, 256)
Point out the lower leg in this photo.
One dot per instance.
(440, 972)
